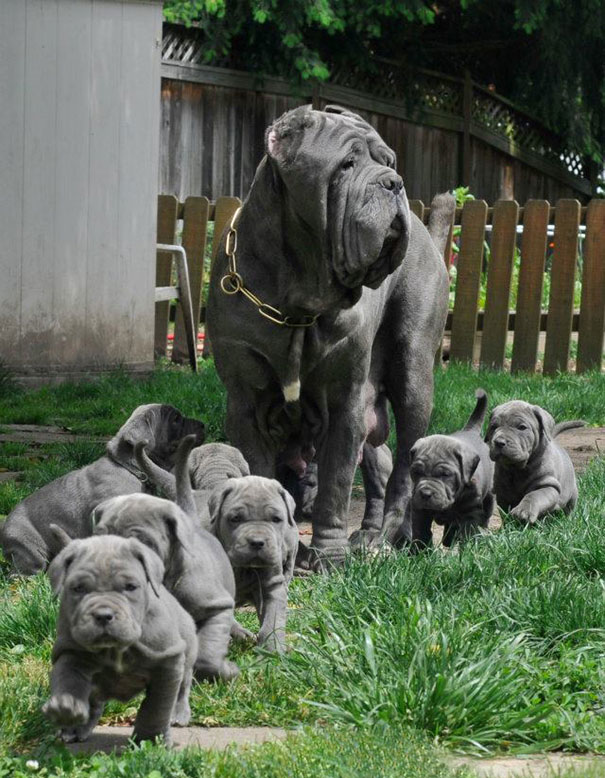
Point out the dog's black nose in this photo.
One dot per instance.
(392, 182)
(425, 493)
(256, 544)
(103, 616)
(499, 443)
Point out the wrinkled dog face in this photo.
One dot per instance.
(516, 430)
(161, 426)
(341, 180)
(252, 516)
(103, 583)
(441, 467)
(151, 520)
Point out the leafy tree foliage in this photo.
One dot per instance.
(546, 55)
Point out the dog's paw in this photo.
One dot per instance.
(66, 710)
(181, 716)
(524, 514)
(240, 633)
(229, 670)
(364, 540)
(75, 734)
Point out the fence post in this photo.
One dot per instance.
(562, 284)
(500, 271)
(592, 307)
(167, 217)
(195, 227)
(465, 164)
(468, 279)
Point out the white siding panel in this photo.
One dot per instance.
(12, 91)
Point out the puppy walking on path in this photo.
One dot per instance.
(25, 536)
(119, 632)
(452, 482)
(534, 475)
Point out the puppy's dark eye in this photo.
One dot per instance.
(348, 164)
(78, 588)
(237, 519)
(276, 519)
(522, 426)
(130, 587)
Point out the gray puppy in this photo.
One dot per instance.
(253, 517)
(119, 632)
(534, 475)
(205, 467)
(328, 247)
(197, 570)
(68, 501)
(452, 482)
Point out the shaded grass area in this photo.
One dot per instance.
(495, 648)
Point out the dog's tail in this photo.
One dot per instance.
(156, 474)
(475, 421)
(567, 425)
(443, 209)
(184, 492)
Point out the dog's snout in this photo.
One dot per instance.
(103, 616)
(425, 493)
(499, 442)
(392, 182)
(256, 543)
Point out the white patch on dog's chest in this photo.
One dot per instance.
(292, 391)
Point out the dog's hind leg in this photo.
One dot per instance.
(213, 637)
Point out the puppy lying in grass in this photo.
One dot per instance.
(119, 632)
(452, 482)
(197, 570)
(534, 475)
(68, 501)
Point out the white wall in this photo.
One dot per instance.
(79, 133)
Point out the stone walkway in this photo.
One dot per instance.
(539, 766)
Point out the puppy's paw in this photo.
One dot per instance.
(181, 716)
(240, 633)
(524, 514)
(229, 670)
(75, 734)
(364, 540)
(66, 710)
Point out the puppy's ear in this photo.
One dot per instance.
(140, 426)
(175, 524)
(290, 504)
(59, 534)
(468, 461)
(546, 423)
(491, 428)
(215, 503)
(58, 568)
(414, 452)
(151, 562)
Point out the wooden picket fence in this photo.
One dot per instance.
(497, 321)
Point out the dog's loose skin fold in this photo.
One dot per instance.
(326, 231)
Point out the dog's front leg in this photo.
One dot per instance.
(243, 432)
(337, 459)
(271, 601)
(155, 713)
(70, 688)
(536, 504)
(213, 637)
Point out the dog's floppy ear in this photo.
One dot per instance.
(176, 525)
(59, 534)
(492, 426)
(58, 568)
(468, 461)
(215, 503)
(151, 562)
(140, 426)
(290, 504)
(546, 423)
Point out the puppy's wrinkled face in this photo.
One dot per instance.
(140, 516)
(440, 468)
(104, 592)
(516, 430)
(252, 516)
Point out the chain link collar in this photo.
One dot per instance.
(232, 283)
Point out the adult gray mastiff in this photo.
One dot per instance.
(452, 482)
(68, 501)
(327, 299)
(120, 632)
(197, 569)
(534, 475)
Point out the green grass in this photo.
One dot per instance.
(495, 648)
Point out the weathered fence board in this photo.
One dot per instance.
(195, 227)
(468, 280)
(562, 283)
(166, 229)
(504, 235)
(592, 307)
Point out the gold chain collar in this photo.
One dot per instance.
(232, 283)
